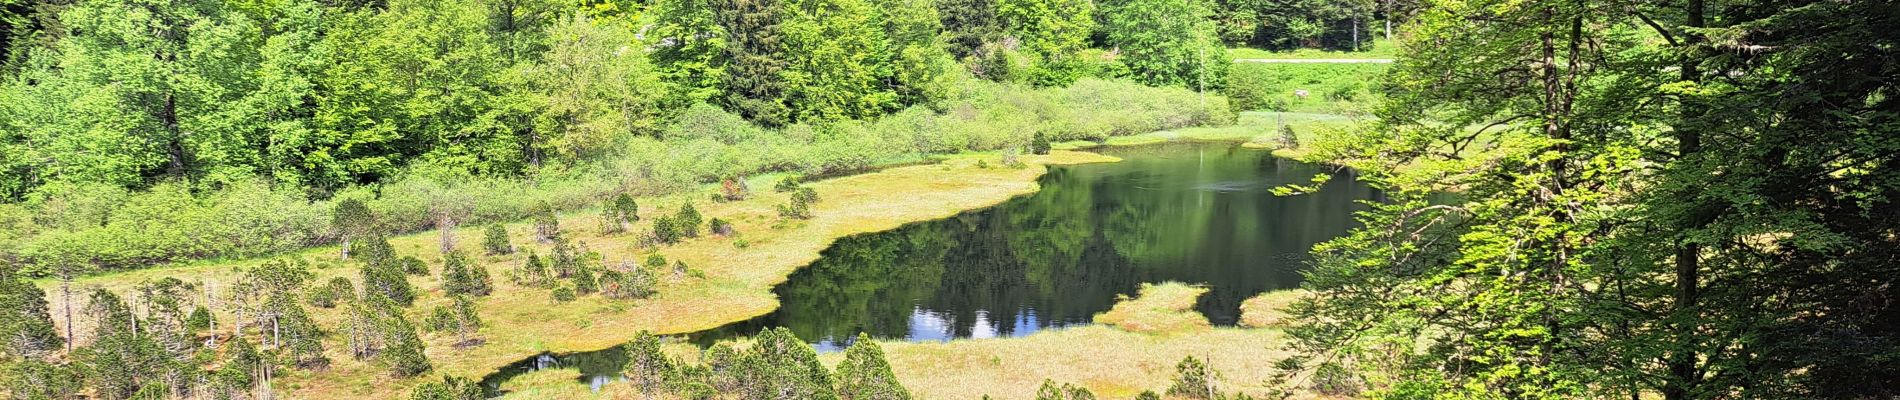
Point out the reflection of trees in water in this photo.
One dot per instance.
(1198, 214)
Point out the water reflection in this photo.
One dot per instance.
(1197, 213)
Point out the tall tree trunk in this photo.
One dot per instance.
(174, 140)
(1684, 375)
(66, 297)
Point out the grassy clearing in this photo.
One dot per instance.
(1268, 310)
(1381, 48)
(1330, 88)
(1257, 129)
(739, 271)
(1166, 308)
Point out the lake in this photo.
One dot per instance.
(1199, 213)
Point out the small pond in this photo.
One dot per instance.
(1191, 212)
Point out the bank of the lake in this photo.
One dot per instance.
(739, 271)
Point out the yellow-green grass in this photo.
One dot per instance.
(738, 271)
(1268, 310)
(1380, 48)
(1256, 129)
(1166, 308)
(1112, 362)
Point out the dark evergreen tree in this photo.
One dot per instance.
(26, 327)
(754, 59)
(388, 281)
(687, 221)
(647, 367)
(352, 221)
(865, 375)
(495, 240)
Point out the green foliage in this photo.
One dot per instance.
(647, 367)
(1053, 33)
(780, 365)
(1168, 43)
(754, 57)
(720, 227)
(563, 294)
(1332, 88)
(388, 281)
(619, 213)
(689, 50)
(1051, 391)
(338, 289)
(585, 283)
(33, 378)
(687, 221)
(495, 240)
(450, 388)
(26, 324)
(628, 282)
(786, 184)
(547, 228)
(534, 271)
(404, 355)
(605, 92)
(666, 230)
(835, 55)
(1192, 380)
(865, 375)
(200, 320)
(1147, 395)
(1039, 144)
(461, 277)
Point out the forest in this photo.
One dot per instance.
(1686, 199)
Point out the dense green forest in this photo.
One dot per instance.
(142, 132)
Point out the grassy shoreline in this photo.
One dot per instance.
(737, 284)
(739, 271)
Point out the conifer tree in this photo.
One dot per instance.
(865, 375)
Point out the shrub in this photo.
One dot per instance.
(584, 282)
(412, 266)
(1192, 380)
(495, 240)
(459, 277)
(687, 221)
(563, 294)
(450, 388)
(389, 282)
(865, 375)
(1050, 391)
(404, 355)
(786, 184)
(547, 228)
(1040, 144)
(720, 227)
(1287, 138)
(619, 213)
(733, 189)
(666, 230)
(534, 271)
(327, 296)
(647, 367)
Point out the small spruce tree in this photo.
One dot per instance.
(865, 375)
(495, 240)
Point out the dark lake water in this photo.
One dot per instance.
(1191, 212)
